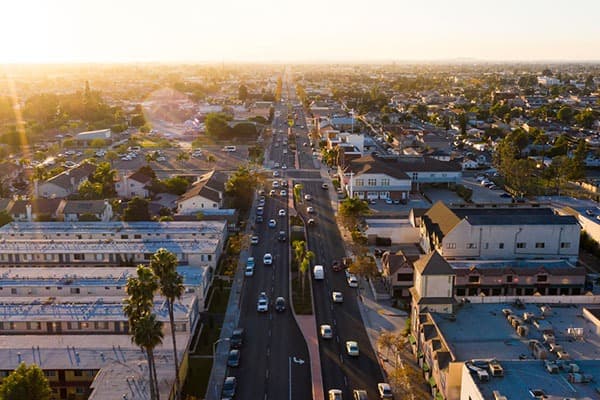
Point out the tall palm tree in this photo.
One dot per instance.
(147, 333)
(164, 264)
(138, 309)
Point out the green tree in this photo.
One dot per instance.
(105, 176)
(111, 156)
(136, 210)
(138, 120)
(89, 191)
(351, 209)
(170, 283)
(240, 188)
(364, 266)
(98, 143)
(217, 125)
(586, 118)
(26, 383)
(565, 114)
(243, 93)
(5, 218)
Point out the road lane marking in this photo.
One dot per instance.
(341, 358)
(345, 381)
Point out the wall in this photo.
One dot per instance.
(195, 204)
(437, 286)
(469, 389)
(399, 230)
(583, 299)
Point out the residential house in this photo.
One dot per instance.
(34, 210)
(65, 183)
(73, 210)
(205, 194)
(132, 185)
(398, 273)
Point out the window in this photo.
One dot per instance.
(565, 245)
(371, 182)
(540, 245)
(147, 256)
(79, 390)
(542, 278)
(210, 257)
(509, 278)
(451, 245)
(460, 291)
(471, 245)
(124, 236)
(359, 182)
(500, 245)
(404, 277)
(521, 245)
(78, 372)
(75, 290)
(50, 373)
(99, 257)
(13, 291)
(486, 246)
(79, 256)
(137, 236)
(385, 182)
(474, 279)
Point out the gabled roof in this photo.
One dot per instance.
(210, 186)
(77, 173)
(82, 207)
(394, 261)
(38, 206)
(440, 220)
(433, 264)
(401, 166)
(140, 177)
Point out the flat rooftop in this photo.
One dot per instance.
(482, 331)
(494, 264)
(522, 376)
(85, 276)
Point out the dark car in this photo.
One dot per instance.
(282, 237)
(259, 219)
(237, 338)
(505, 196)
(233, 359)
(336, 266)
(280, 304)
(229, 387)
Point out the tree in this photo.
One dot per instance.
(26, 383)
(170, 283)
(138, 120)
(183, 156)
(565, 114)
(136, 210)
(385, 341)
(240, 188)
(98, 143)
(111, 156)
(89, 191)
(364, 266)
(243, 93)
(217, 125)
(105, 176)
(5, 218)
(146, 331)
(351, 209)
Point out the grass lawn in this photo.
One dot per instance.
(197, 378)
(220, 298)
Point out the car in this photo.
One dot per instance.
(272, 193)
(337, 297)
(307, 197)
(275, 174)
(237, 338)
(310, 210)
(280, 304)
(336, 266)
(396, 201)
(249, 271)
(372, 201)
(283, 193)
(334, 394)
(285, 151)
(325, 186)
(326, 331)
(359, 394)
(505, 196)
(284, 166)
(275, 185)
(250, 262)
(590, 212)
(305, 144)
(272, 223)
(276, 165)
(281, 213)
(284, 184)
(352, 348)
(260, 210)
(267, 259)
(229, 387)
(254, 239)
(352, 281)
(233, 359)
(282, 237)
(384, 390)
(258, 219)
(161, 159)
(261, 192)
(263, 302)
(389, 201)
(310, 222)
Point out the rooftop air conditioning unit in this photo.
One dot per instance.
(498, 396)
(483, 376)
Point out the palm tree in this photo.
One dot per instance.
(138, 309)
(147, 333)
(164, 264)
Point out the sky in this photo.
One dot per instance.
(61, 31)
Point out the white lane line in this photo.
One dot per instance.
(341, 358)
(345, 381)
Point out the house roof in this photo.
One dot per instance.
(394, 261)
(97, 134)
(78, 173)
(140, 177)
(399, 167)
(82, 207)
(433, 264)
(440, 220)
(209, 186)
(371, 165)
(38, 206)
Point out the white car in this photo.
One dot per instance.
(263, 302)
(337, 297)
(310, 210)
(352, 348)
(284, 166)
(307, 197)
(325, 186)
(249, 271)
(334, 394)
(254, 240)
(275, 174)
(352, 281)
(283, 193)
(384, 390)
(272, 223)
(281, 213)
(326, 331)
(267, 259)
(275, 185)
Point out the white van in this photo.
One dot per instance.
(229, 148)
(318, 272)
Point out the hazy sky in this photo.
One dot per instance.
(303, 30)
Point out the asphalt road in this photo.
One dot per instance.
(340, 371)
(271, 338)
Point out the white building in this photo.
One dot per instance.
(132, 185)
(65, 183)
(205, 194)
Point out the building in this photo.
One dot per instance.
(65, 183)
(499, 233)
(68, 244)
(74, 210)
(398, 273)
(34, 209)
(205, 194)
(132, 185)
(85, 139)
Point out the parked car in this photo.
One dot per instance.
(233, 359)
(384, 390)
(237, 338)
(352, 281)
(229, 387)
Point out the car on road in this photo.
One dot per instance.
(254, 239)
(337, 297)
(258, 219)
(272, 193)
(281, 213)
(280, 304)
(352, 348)
(229, 387)
(283, 184)
(310, 222)
(263, 302)
(389, 201)
(267, 259)
(284, 166)
(336, 266)
(282, 237)
(250, 262)
(326, 331)
(359, 394)
(307, 197)
(272, 223)
(352, 281)
(233, 359)
(384, 390)
(276, 165)
(334, 394)
(283, 193)
(325, 186)
(237, 338)
(505, 196)
(275, 174)
(275, 185)
(310, 210)
(260, 210)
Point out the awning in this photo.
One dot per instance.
(431, 382)
(412, 339)
(426, 367)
